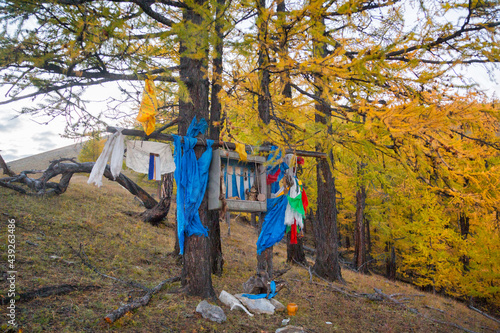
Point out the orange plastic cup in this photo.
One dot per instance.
(292, 309)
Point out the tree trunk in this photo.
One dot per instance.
(196, 273)
(156, 214)
(368, 240)
(325, 231)
(295, 252)
(265, 259)
(464, 232)
(390, 262)
(216, 259)
(359, 232)
(253, 220)
(264, 98)
(265, 262)
(498, 219)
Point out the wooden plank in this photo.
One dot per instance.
(246, 206)
(214, 182)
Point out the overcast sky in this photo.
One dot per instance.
(21, 136)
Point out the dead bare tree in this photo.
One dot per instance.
(42, 186)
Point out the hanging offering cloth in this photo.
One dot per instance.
(240, 149)
(113, 149)
(295, 209)
(152, 158)
(149, 107)
(191, 176)
(154, 167)
(273, 226)
(275, 172)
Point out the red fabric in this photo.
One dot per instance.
(305, 202)
(293, 234)
(273, 178)
(300, 160)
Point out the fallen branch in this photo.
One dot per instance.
(49, 291)
(448, 323)
(86, 261)
(144, 300)
(430, 307)
(323, 279)
(484, 314)
(281, 272)
(329, 285)
(388, 297)
(42, 186)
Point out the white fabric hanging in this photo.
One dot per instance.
(113, 148)
(138, 156)
(290, 214)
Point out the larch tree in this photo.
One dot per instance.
(382, 80)
(54, 50)
(388, 80)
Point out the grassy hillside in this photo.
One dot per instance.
(51, 231)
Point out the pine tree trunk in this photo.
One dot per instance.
(196, 273)
(359, 232)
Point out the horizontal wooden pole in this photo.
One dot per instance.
(217, 144)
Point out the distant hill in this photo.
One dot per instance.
(41, 161)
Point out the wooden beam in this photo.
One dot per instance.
(227, 145)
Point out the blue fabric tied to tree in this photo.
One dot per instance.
(271, 294)
(271, 170)
(273, 227)
(191, 176)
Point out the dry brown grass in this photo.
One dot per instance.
(124, 247)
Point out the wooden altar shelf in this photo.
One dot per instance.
(244, 183)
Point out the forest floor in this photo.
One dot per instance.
(53, 233)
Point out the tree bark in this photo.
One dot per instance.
(264, 99)
(196, 272)
(390, 262)
(42, 186)
(265, 259)
(464, 232)
(156, 214)
(359, 232)
(368, 240)
(325, 231)
(295, 252)
(265, 262)
(216, 258)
